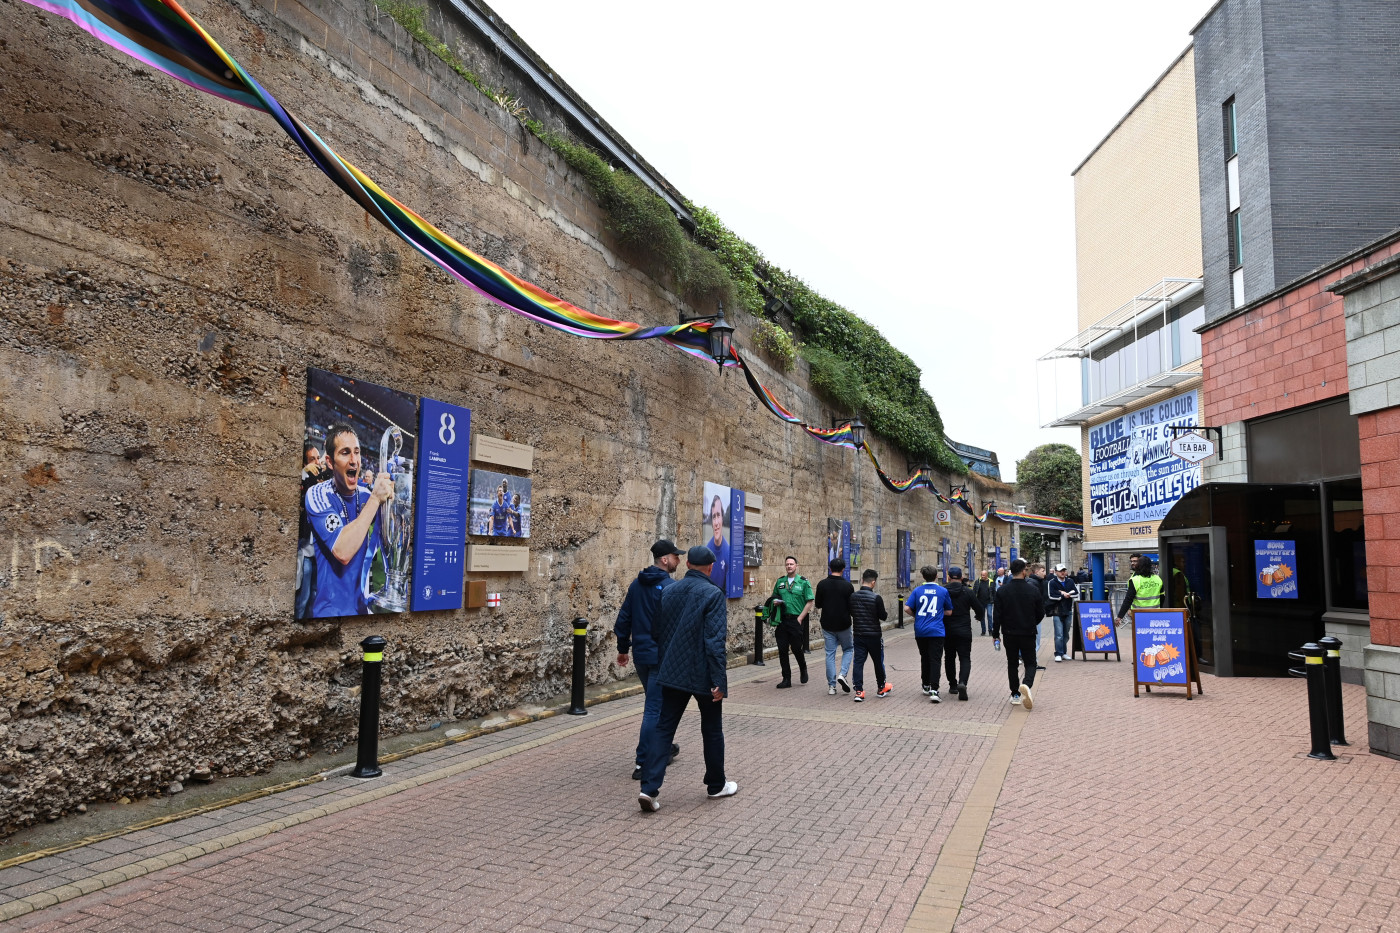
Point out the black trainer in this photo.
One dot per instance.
(784, 684)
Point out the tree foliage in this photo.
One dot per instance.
(1049, 480)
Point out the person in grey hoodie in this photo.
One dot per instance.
(690, 629)
(633, 631)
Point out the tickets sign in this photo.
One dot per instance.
(1134, 476)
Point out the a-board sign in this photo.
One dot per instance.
(1163, 653)
(1095, 631)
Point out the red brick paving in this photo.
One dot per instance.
(1117, 814)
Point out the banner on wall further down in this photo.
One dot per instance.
(1134, 476)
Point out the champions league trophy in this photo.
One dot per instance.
(397, 516)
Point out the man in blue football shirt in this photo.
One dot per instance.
(930, 605)
(344, 522)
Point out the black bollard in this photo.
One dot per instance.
(758, 623)
(899, 610)
(1332, 667)
(1317, 703)
(367, 756)
(580, 643)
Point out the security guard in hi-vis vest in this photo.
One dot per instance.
(1144, 587)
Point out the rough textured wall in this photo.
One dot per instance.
(170, 266)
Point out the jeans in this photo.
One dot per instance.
(875, 648)
(790, 638)
(652, 710)
(834, 640)
(1062, 634)
(986, 620)
(1019, 649)
(959, 648)
(658, 739)
(930, 657)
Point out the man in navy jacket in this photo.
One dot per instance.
(690, 628)
(633, 631)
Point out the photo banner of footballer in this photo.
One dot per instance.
(715, 528)
(355, 542)
(500, 505)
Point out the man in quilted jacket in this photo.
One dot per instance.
(690, 629)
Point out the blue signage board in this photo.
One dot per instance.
(440, 526)
(1276, 569)
(734, 575)
(1096, 630)
(877, 534)
(1159, 646)
(996, 563)
(846, 548)
(1134, 477)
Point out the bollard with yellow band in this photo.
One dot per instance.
(576, 707)
(1332, 668)
(1317, 702)
(367, 754)
(759, 621)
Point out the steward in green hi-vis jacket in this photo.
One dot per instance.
(1144, 590)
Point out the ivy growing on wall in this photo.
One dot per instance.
(851, 362)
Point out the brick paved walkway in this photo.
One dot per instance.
(1152, 814)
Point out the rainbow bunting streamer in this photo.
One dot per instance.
(164, 36)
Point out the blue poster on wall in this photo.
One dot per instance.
(903, 557)
(877, 534)
(734, 576)
(1096, 627)
(1276, 569)
(846, 548)
(440, 526)
(1159, 643)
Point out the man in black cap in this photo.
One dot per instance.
(691, 627)
(633, 631)
(958, 638)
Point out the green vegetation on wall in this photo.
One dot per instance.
(851, 362)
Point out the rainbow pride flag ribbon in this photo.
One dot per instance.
(162, 35)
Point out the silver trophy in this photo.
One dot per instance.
(397, 518)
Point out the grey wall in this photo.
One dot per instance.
(1230, 62)
(1319, 134)
(1331, 71)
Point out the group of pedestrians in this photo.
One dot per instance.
(675, 633)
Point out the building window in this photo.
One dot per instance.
(1235, 233)
(1163, 342)
(1232, 131)
(1346, 546)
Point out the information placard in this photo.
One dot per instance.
(440, 532)
(1163, 654)
(734, 574)
(1095, 631)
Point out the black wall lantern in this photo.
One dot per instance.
(721, 334)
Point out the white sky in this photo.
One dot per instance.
(911, 164)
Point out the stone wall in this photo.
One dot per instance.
(170, 265)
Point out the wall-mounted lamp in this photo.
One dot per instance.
(721, 333)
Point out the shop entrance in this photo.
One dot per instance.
(1186, 572)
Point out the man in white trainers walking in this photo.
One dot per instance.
(690, 628)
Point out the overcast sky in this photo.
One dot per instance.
(912, 163)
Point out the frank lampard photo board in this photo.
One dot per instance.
(355, 534)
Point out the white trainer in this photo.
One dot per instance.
(648, 804)
(728, 790)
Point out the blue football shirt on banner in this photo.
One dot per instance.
(341, 589)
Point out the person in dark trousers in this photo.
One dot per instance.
(867, 612)
(633, 631)
(1144, 587)
(930, 606)
(1019, 609)
(789, 608)
(1035, 574)
(1062, 592)
(982, 592)
(958, 624)
(690, 628)
(833, 599)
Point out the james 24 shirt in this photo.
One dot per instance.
(929, 603)
(341, 589)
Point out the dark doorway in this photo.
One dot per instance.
(1186, 572)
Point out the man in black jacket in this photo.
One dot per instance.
(982, 592)
(1019, 609)
(958, 640)
(833, 599)
(867, 612)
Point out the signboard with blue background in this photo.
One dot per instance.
(1133, 475)
(1276, 569)
(1096, 629)
(734, 575)
(1159, 646)
(440, 525)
